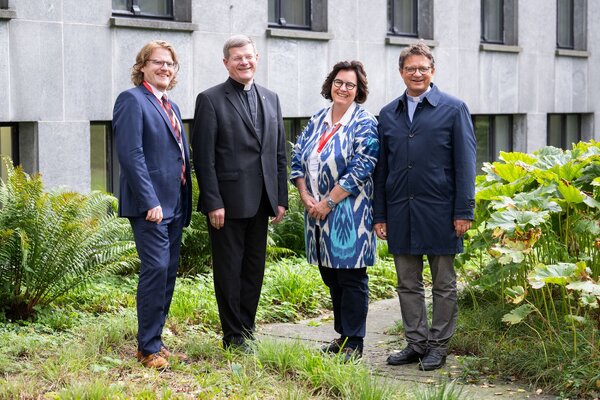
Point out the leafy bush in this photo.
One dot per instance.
(536, 246)
(51, 243)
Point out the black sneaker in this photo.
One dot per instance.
(406, 356)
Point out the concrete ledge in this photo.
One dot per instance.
(572, 53)
(407, 41)
(502, 48)
(140, 23)
(8, 14)
(298, 34)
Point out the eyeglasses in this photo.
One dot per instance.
(413, 70)
(169, 64)
(349, 85)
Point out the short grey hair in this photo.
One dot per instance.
(237, 41)
(416, 49)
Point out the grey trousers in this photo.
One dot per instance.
(419, 334)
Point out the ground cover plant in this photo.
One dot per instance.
(532, 268)
(82, 346)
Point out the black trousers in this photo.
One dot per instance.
(239, 250)
(349, 290)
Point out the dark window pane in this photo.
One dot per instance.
(403, 17)
(482, 134)
(492, 14)
(295, 12)
(502, 134)
(554, 130)
(573, 130)
(155, 7)
(99, 157)
(272, 12)
(120, 5)
(565, 24)
(6, 146)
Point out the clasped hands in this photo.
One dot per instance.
(315, 209)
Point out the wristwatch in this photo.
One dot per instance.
(330, 203)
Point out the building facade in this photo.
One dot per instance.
(527, 69)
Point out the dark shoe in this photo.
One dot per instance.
(406, 356)
(152, 360)
(434, 359)
(350, 353)
(334, 346)
(241, 346)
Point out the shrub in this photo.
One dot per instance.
(51, 243)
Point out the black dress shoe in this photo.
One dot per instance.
(334, 346)
(434, 359)
(406, 356)
(349, 354)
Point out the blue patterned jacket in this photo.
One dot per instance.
(348, 159)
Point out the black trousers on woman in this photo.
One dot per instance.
(349, 290)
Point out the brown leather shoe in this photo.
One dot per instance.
(152, 360)
(165, 353)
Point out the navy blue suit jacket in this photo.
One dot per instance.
(150, 156)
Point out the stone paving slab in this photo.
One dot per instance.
(378, 345)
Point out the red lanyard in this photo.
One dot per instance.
(325, 138)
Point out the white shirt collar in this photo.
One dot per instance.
(345, 118)
(159, 95)
(417, 99)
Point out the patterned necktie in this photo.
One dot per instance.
(175, 125)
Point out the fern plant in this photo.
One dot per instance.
(53, 242)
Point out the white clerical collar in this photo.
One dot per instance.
(417, 99)
(248, 86)
(345, 118)
(159, 95)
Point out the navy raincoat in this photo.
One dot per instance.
(425, 177)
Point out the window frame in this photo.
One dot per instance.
(501, 24)
(563, 128)
(392, 25)
(424, 25)
(493, 151)
(281, 22)
(14, 143)
(578, 21)
(112, 164)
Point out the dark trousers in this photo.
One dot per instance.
(349, 290)
(239, 250)
(158, 247)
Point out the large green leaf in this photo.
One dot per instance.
(508, 220)
(515, 294)
(588, 287)
(512, 157)
(518, 314)
(570, 193)
(558, 274)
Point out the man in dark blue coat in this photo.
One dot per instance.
(155, 188)
(424, 202)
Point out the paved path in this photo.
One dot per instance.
(382, 315)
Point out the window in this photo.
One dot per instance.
(103, 161)
(412, 18)
(492, 21)
(290, 13)
(571, 26)
(8, 147)
(293, 128)
(494, 133)
(144, 8)
(499, 22)
(403, 18)
(565, 23)
(3, 3)
(564, 130)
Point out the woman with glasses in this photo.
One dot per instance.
(332, 164)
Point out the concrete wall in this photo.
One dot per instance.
(62, 65)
